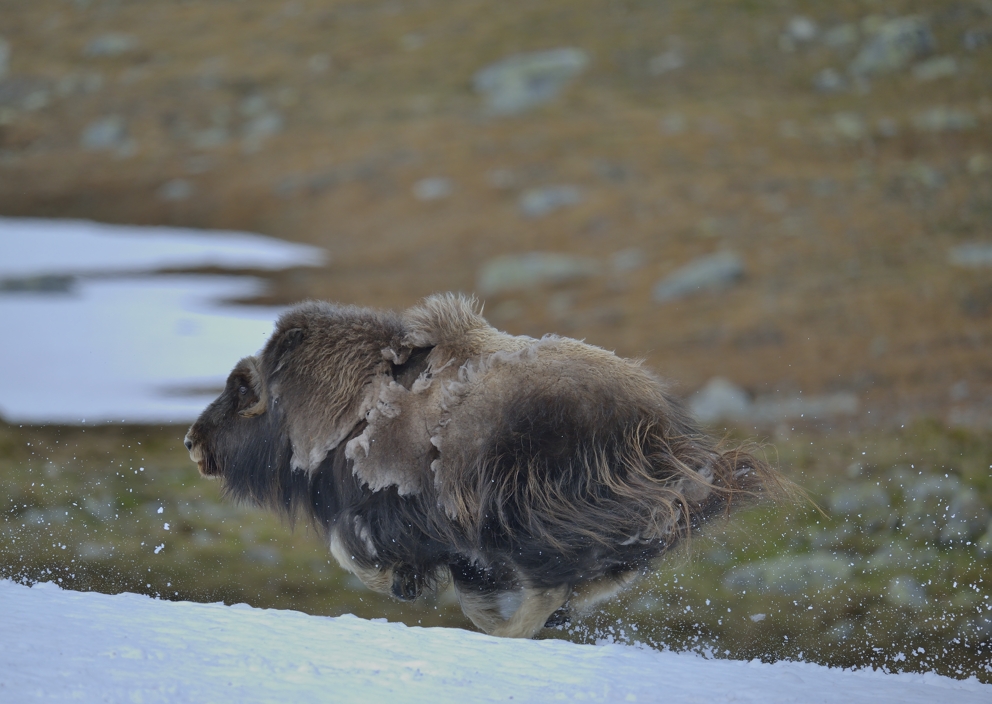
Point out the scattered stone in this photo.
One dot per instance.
(858, 498)
(906, 592)
(79, 83)
(975, 255)
(4, 57)
(790, 574)
(433, 188)
(770, 409)
(850, 125)
(893, 45)
(985, 542)
(516, 272)
(789, 129)
(710, 273)
(979, 164)
(925, 175)
(211, 138)
(627, 260)
(673, 123)
(671, 60)
(722, 400)
(260, 127)
(829, 80)
(412, 41)
(944, 119)
(841, 36)
(719, 400)
(824, 187)
(937, 67)
(106, 133)
(178, 189)
(800, 30)
(976, 39)
(887, 127)
(110, 45)
(501, 179)
(319, 64)
(521, 82)
(966, 517)
(538, 202)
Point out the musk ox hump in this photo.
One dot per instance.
(325, 366)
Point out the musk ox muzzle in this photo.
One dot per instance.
(538, 476)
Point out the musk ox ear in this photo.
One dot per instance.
(258, 387)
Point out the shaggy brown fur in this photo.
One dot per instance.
(539, 475)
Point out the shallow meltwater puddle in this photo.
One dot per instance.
(90, 338)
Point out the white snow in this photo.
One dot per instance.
(127, 348)
(62, 645)
(36, 246)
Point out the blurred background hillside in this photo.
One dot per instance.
(841, 151)
(784, 207)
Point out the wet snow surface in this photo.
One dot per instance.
(96, 336)
(95, 647)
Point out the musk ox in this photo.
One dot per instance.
(539, 476)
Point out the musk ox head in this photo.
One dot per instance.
(284, 411)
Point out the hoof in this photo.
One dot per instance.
(407, 584)
(558, 618)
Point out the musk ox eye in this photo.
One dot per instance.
(243, 390)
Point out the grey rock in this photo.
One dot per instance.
(710, 273)
(925, 175)
(978, 628)
(894, 44)
(106, 133)
(937, 67)
(673, 123)
(850, 125)
(79, 84)
(906, 592)
(4, 57)
(802, 29)
(966, 515)
(770, 409)
(975, 255)
(627, 260)
(829, 80)
(538, 202)
(720, 399)
(433, 188)
(790, 574)
(985, 542)
(886, 127)
(944, 119)
(501, 179)
(930, 489)
(858, 498)
(669, 61)
(979, 164)
(211, 138)
(841, 36)
(516, 272)
(110, 45)
(975, 39)
(178, 189)
(264, 125)
(522, 82)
